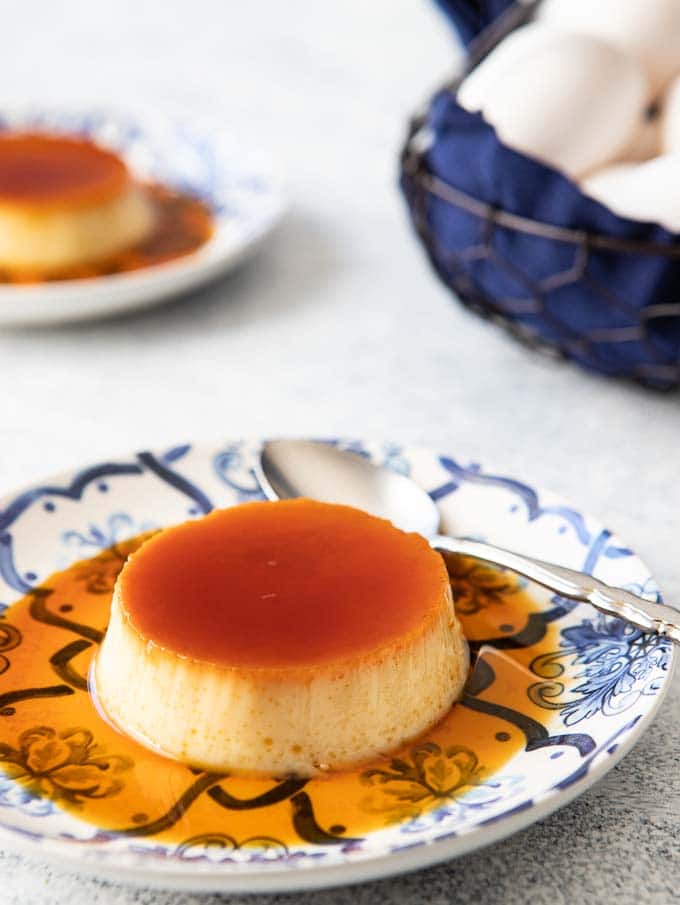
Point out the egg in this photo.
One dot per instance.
(649, 30)
(572, 101)
(647, 191)
(646, 140)
(474, 90)
(670, 119)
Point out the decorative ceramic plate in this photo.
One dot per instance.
(557, 695)
(240, 188)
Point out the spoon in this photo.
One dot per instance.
(303, 468)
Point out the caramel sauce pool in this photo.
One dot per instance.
(56, 745)
(183, 224)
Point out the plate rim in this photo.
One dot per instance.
(212, 877)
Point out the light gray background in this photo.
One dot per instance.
(338, 327)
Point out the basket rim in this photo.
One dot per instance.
(435, 185)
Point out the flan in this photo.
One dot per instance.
(65, 202)
(280, 638)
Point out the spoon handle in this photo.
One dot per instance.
(648, 615)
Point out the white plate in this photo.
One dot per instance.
(241, 187)
(600, 685)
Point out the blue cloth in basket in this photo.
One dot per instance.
(470, 17)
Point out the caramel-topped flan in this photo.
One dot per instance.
(65, 202)
(287, 637)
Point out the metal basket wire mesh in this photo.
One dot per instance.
(633, 340)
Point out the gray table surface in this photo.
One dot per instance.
(338, 327)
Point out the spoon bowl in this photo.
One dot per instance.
(320, 471)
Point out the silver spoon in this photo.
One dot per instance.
(303, 468)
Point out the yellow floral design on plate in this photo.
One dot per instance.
(66, 766)
(431, 775)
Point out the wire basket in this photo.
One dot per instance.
(520, 244)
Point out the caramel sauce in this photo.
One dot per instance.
(45, 171)
(286, 584)
(183, 225)
(56, 745)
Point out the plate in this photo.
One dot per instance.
(241, 187)
(590, 693)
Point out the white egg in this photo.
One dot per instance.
(647, 29)
(647, 191)
(646, 141)
(519, 44)
(670, 118)
(570, 100)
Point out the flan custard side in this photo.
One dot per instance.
(281, 638)
(65, 202)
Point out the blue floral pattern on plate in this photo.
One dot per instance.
(614, 663)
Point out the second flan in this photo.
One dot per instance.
(65, 202)
(281, 638)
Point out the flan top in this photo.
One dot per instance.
(47, 171)
(289, 584)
